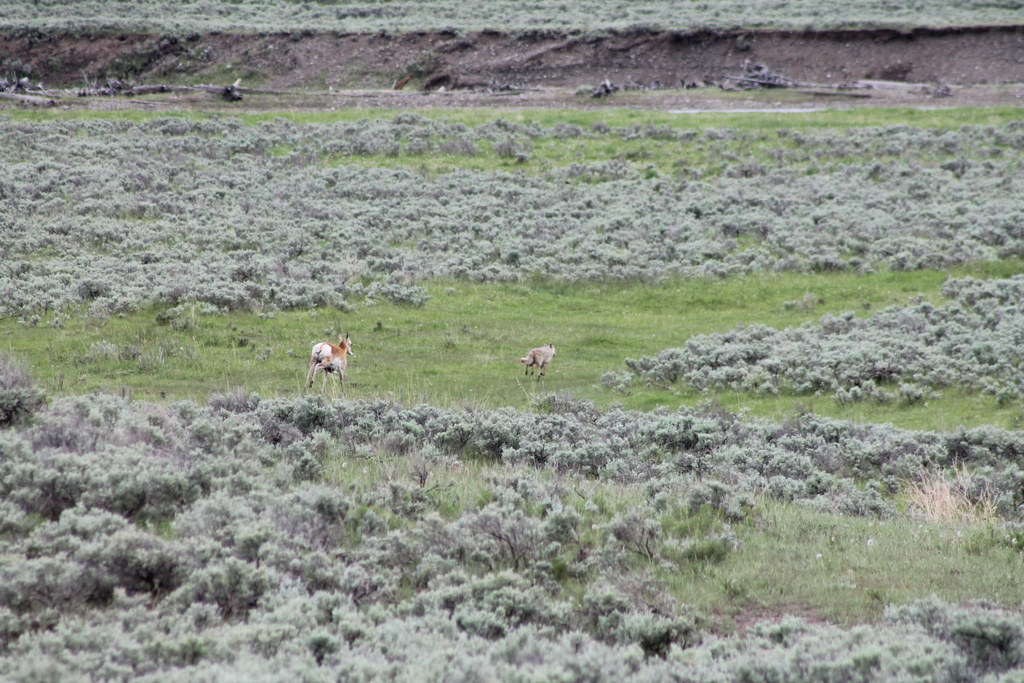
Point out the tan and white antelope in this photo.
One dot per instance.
(539, 358)
(329, 357)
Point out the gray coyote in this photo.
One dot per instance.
(539, 358)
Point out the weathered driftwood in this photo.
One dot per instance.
(28, 99)
(835, 93)
(938, 90)
(148, 89)
(758, 82)
(760, 76)
(798, 84)
(115, 88)
(17, 90)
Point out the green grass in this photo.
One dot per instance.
(617, 117)
(791, 559)
(462, 347)
(847, 569)
(757, 137)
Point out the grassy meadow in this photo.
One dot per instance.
(461, 349)
(181, 488)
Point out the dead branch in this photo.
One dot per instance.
(886, 85)
(834, 93)
(757, 82)
(760, 76)
(115, 88)
(15, 89)
(148, 89)
(28, 99)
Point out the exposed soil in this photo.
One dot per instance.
(977, 65)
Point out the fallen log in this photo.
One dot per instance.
(760, 76)
(834, 93)
(231, 92)
(860, 85)
(763, 83)
(148, 89)
(28, 99)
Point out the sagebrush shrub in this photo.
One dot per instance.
(20, 397)
(174, 542)
(153, 231)
(901, 354)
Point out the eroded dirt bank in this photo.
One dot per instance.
(659, 58)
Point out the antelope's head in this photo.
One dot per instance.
(346, 343)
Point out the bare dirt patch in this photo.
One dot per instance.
(981, 65)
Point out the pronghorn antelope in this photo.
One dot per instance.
(539, 358)
(329, 357)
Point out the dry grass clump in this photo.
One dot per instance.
(938, 497)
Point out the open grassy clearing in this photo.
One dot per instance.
(787, 558)
(846, 570)
(462, 347)
(950, 117)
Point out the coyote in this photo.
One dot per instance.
(539, 358)
(328, 357)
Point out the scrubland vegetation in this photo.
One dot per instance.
(303, 539)
(118, 214)
(505, 15)
(708, 485)
(971, 342)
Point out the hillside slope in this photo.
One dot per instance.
(649, 58)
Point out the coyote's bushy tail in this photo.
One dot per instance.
(539, 358)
